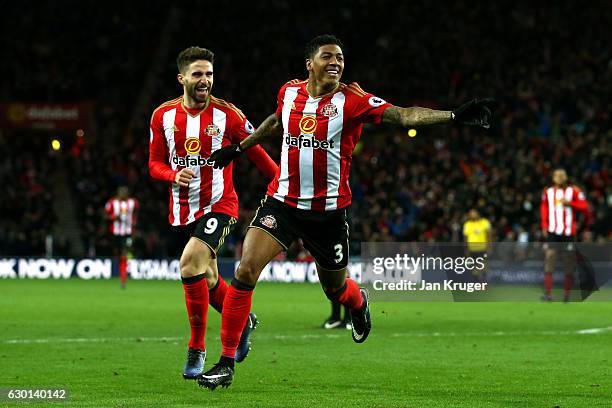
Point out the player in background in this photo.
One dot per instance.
(203, 203)
(121, 212)
(335, 320)
(318, 121)
(478, 235)
(561, 202)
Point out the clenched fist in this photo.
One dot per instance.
(183, 177)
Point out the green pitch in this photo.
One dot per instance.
(114, 348)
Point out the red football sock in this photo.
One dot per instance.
(123, 269)
(236, 308)
(569, 283)
(196, 299)
(548, 282)
(351, 296)
(217, 294)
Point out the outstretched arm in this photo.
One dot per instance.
(415, 116)
(477, 112)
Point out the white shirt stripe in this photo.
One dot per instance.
(550, 194)
(559, 211)
(193, 130)
(131, 205)
(283, 179)
(168, 123)
(306, 161)
(334, 132)
(117, 214)
(219, 119)
(569, 192)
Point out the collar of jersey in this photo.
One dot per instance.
(337, 89)
(189, 110)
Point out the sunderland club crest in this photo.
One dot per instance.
(268, 221)
(212, 130)
(330, 110)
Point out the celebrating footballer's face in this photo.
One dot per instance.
(123, 192)
(559, 177)
(326, 65)
(197, 81)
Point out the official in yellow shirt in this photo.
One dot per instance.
(477, 232)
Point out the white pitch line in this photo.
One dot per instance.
(595, 330)
(307, 336)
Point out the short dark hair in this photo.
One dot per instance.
(313, 45)
(191, 54)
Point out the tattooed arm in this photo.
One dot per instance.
(270, 128)
(415, 116)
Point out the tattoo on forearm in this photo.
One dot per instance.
(415, 116)
(392, 116)
(269, 128)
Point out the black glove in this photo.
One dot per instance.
(224, 156)
(477, 112)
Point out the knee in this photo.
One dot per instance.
(247, 272)
(211, 277)
(189, 265)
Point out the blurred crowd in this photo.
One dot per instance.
(549, 65)
(27, 196)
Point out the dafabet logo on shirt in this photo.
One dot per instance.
(308, 124)
(192, 145)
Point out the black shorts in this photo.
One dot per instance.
(560, 238)
(122, 243)
(325, 234)
(561, 242)
(211, 229)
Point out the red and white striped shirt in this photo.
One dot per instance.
(559, 218)
(319, 135)
(122, 214)
(185, 138)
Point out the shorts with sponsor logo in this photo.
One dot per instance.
(211, 228)
(325, 234)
